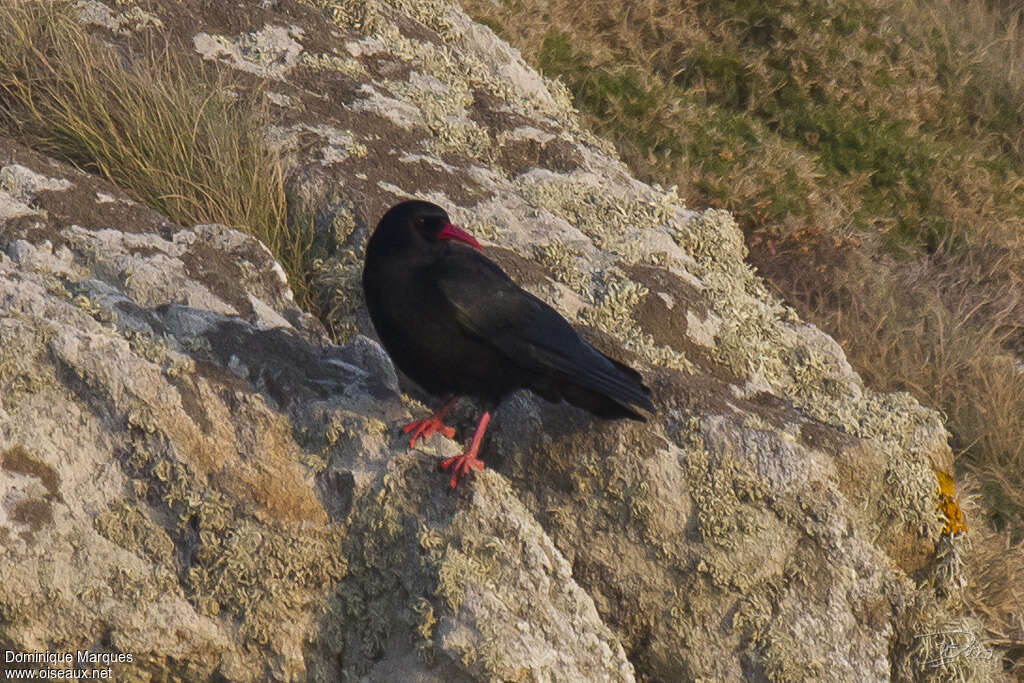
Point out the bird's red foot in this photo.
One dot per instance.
(461, 464)
(425, 428)
(435, 423)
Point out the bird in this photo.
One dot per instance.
(457, 325)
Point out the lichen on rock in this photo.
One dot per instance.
(193, 470)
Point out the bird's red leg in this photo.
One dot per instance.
(461, 464)
(434, 423)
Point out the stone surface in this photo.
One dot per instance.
(190, 471)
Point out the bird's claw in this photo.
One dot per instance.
(460, 465)
(426, 427)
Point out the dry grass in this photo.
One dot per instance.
(873, 151)
(171, 132)
(994, 591)
(902, 334)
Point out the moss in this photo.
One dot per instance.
(719, 138)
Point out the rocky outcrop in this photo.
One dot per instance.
(191, 472)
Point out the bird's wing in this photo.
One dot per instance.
(490, 306)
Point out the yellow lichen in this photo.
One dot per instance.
(955, 521)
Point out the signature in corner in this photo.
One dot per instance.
(954, 644)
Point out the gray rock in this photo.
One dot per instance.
(190, 472)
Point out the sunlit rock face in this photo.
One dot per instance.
(191, 471)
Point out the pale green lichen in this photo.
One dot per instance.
(343, 223)
(142, 418)
(198, 345)
(443, 106)
(459, 71)
(949, 573)
(349, 66)
(131, 528)
(341, 144)
(19, 360)
(145, 345)
(385, 575)
(137, 18)
(139, 587)
(940, 647)
(364, 17)
(616, 299)
(724, 491)
(712, 238)
(92, 308)
(350, 428)
(340, 278)
(262, 573)
(560, 261)
(611, 223)
(453, 65)
(751, 340)
(484, 230)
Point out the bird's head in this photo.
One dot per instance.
(426, 222)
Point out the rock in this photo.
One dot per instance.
(192, 473)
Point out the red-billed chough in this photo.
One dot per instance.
(457, 325)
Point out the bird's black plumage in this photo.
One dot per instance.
(456, 324)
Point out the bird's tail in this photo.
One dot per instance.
(612, 390)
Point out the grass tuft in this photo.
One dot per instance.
(173, 133)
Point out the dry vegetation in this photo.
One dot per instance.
(171, 132)
(873, 151)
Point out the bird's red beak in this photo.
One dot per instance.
(454, 232)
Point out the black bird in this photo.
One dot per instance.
(457, 325)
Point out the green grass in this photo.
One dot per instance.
(873, 152)
(173, 133)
